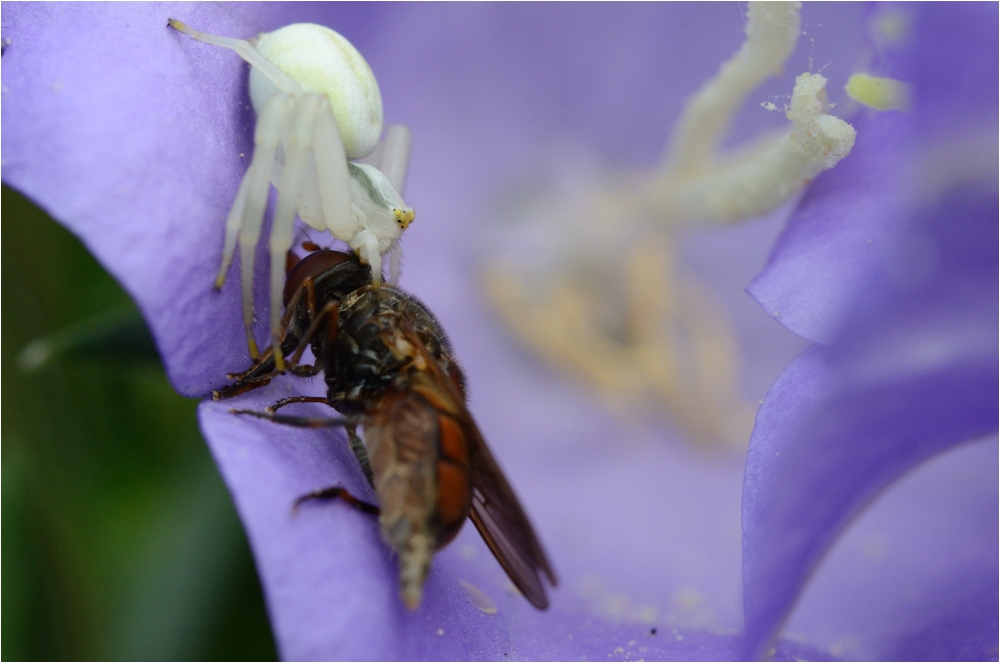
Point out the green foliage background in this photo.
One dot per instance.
(119, 539)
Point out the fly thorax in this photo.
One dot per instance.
(402, 349)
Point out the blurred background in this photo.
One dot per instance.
(119, 539)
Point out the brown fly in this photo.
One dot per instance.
(389, 368)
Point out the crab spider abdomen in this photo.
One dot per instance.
(321, 61)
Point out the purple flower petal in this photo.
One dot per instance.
(840, 228)
(847, 218)
(332, 584)
(917, 570)
(111, 140)
(806, 478)
(132, 134)
(912, 363)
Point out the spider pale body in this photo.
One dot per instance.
(321, 60)
(317, 105)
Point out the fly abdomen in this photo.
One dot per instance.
(402, 445)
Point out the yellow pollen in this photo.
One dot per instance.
(879, 93)
(892, 28)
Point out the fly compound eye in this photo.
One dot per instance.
(311, 267)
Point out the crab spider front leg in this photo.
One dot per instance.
(245, 50)
(365, 244)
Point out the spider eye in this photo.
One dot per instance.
(403, 217)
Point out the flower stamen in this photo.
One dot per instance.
(607, 300)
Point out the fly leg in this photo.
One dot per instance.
(293, 399)
(300, 422)
(336, 492)
(357, 445)
(240, 387)
(328, 311)
(360, 452)
(261, 373)
(256, 378)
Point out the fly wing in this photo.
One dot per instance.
(503, 524)
(496, 513)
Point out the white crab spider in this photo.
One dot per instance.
(317, 105)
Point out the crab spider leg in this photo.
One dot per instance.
(393, 159)
(365, 243)
(395, 263)
(267, 135)
(395, 155)
(332, 176)
(245, 50)
(310, 205)
(297, 153)
(233, 224)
